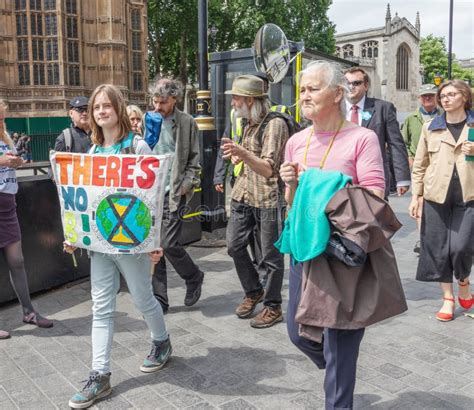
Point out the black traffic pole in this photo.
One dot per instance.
(212, 212)
(202, 45)
(203, 104)
(450, 41)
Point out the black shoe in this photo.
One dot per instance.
(193, 291)
(164, 305)
(416, 248)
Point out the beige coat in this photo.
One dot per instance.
(337, 296)
(435, 157)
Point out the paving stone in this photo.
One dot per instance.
(22, 392)
(239, 404)
(388, 383)
(183, 398)
(450, 394)
(469, 389)
(392, 370)
(417, 381)
(418, 400)
(308, 401)
(56, 388)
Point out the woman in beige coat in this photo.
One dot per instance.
(443, 184)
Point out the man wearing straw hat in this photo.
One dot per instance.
(255, 199)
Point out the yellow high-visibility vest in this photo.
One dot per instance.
(236, 131)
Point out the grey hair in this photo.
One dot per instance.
(167, 88)
(334, 76)
(260, 108)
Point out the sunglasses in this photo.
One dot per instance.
(355, 83)
(80, 109)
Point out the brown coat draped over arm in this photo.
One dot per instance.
(337, 296)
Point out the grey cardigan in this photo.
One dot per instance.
(185, 170)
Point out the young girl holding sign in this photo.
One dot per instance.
(111, 133)
(10, 235)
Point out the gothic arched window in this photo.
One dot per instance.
(347, 51)
(403, 60)
(338, 52)
(369, 49)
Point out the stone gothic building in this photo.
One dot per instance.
(52, 50)
(391, 56)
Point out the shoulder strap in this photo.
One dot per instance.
(279, 108)
(126, 146)
(68, 139)
(270, 116)
(130, 143)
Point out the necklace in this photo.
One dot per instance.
(325, 156)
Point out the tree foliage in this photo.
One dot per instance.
(434, 59)
(173, 37)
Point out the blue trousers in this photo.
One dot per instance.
(337, 354)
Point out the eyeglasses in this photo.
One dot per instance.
(449, 96)
(355, 83)
(80, 110)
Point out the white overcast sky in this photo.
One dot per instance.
(353, 15)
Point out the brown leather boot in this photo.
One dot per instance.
(267, 317)
(246, 308)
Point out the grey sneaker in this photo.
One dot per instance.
(158, 357)
(97, 387)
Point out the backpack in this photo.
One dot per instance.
(293, 126)
(68, 139)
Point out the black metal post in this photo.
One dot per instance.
(202, 45)
(450, 41)
(212, 213)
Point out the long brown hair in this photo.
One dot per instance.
(120, 107)
(5, 137)
(462, 87)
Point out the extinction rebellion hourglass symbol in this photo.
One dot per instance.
(123, 220)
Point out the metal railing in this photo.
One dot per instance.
(41, 144)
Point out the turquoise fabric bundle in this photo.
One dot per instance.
(306, 232)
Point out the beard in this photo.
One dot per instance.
(243, 112)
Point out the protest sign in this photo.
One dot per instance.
(111, 203)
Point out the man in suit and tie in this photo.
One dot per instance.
(381, 117)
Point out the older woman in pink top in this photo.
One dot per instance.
(331, 143)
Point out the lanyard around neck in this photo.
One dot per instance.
(325, 156)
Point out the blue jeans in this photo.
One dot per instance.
(105, 283)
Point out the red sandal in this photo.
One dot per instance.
(446, 317)
(465, 303)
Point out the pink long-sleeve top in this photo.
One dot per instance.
(355, 152)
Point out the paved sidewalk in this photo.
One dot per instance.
(410, 362)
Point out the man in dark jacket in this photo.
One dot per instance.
(381, 117)
(178, 136)
(76, 138)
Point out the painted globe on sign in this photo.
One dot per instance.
(123, 220)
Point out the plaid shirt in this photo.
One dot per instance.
(254, 189)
